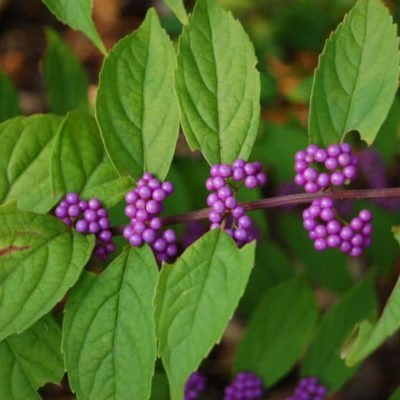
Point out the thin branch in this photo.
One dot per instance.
(281, 201)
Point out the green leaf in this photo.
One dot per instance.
(80, 163)
(278, 331)
(178, 8)
(65, 79)
(218, 85)
(25, 151)
(9, 104)
(395, 395)
(367, 336)
(41, 258)
(273, 266)
(78, 15)
(136, 107)
(30, 360)
(323, 358)
(357, 77)
(108, 334)
(159, 390)
(195, 299)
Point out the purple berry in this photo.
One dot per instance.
(61, 212)
(149, 235)
(74, 211)
(105, 236)
(82, 226)
(135, 240)
(251, 182)
(154, 207)
(169, 236)
(72, 198)
(94, 204)
(90, 215)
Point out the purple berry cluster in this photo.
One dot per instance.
(246, 386)
(88, 217)
(225, 210)
(309, 389)
(327, 231)
(337, 160)
(195, 385)
(144, 204)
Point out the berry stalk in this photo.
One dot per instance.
(281, 201)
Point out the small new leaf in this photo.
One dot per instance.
(78, 15)
(80, 164)
(108, 333)
(30, 360)
(40, 258)
(218, 85)
(136, 107)
(357, 77)
(196, 297)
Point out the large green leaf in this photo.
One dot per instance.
(218, 85)
(357, 76)
(64, 76)
(78, 15)
(323, 358)
(195, 299)
(40, 259)
(25, 150)
(9, 104)
(136, 107)
(80, 163)
(178, 8)
(278, 331)
(30, 360)
(368, 336)
(108, 334)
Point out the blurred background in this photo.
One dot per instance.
(288, 36)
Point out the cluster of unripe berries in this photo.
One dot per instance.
(246, 386)
(224, 209)
(309, 389)
(338, 160)
(144, 204)
(327, 231)
(320, 219)
(88, 217)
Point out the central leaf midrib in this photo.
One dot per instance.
(349, 112)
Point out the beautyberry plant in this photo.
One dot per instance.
(88, 194)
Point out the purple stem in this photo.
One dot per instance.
(280, 201)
